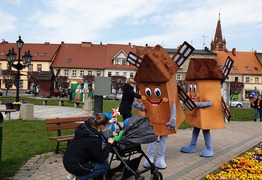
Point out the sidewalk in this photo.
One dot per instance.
(229, 142)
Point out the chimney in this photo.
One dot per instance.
(234, 51)
(46, 43)
(101, 43)
(146, 45)
(62, 42)
(86, 44)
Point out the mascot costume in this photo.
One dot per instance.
(159, 94)
(204, 87)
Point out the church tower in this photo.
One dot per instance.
(218, 43)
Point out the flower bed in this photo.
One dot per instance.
(247, 166)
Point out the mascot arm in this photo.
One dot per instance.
(138, 106)
(172, 122)
(204, 104)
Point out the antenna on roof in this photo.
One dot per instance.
(204, 44)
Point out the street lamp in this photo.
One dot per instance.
(26, 58)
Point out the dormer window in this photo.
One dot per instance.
(35, 54)
(43, 54)
(248, 68)
(256, 69)
(234, 67)
(68, 60)
(2, 53)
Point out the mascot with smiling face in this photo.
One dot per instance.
(204, 88)
(159, 94)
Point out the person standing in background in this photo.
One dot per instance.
(258, 108)
(129, 95)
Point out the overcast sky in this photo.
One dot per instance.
(140, 22)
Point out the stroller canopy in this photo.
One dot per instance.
(138, 130)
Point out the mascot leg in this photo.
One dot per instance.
(150, 153)
(192, 147)
(160, 161)
(208, 152)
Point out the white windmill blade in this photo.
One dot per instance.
(134, 59)
(227, 67)
(183, 53)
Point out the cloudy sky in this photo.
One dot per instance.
(140, 22)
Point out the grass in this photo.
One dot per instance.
(23, 139)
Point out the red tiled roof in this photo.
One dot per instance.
(40, 52)
(242, 60)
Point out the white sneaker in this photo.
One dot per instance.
(70, 177)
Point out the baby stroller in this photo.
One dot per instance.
(138, 130)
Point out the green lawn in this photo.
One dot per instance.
(23, 139)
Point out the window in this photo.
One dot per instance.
(118, 61)
(131, 75)
(98, 73)
(39, 67)
(1, 69)
(234, 67)
(82, 73)
(124, 62)
(124, 74)
(21, 83)
(256, 69)
(247, 79)
(66, 72)
(117, 73)
(256, 79)
(30, 67)
(178, 77)
(90, 73)
(236, 79)
(248, 68)
(68, 60)
(109, 74)
(73, 72)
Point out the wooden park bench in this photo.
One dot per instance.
(7, 112)
(64, 127)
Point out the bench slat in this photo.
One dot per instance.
(64, 120)
(62, 127)
(62, 138)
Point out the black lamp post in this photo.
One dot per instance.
(11, 56)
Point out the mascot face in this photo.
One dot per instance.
(154, 94)
(193, 90)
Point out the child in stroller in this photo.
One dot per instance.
(137, 131)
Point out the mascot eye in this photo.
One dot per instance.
(190, 88)
(157, 92)
(148, 92)
(195, 88)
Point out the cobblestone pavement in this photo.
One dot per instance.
(229, 142)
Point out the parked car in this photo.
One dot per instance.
(109, 97)
(113, 96)
(28, 91)
(235, 103)
(119, 96)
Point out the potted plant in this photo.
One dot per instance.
(9, 105)
(16, 105)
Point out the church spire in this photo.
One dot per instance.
(218, 43)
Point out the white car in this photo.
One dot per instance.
(235, 103)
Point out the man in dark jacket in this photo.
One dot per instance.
(85, 157)
(125, 108)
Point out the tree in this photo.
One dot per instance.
(118, 82)
(9, 79)
(236, 88)
(62, 82)
(33, 77)
(90, 79)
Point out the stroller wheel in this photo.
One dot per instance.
(157, 176)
